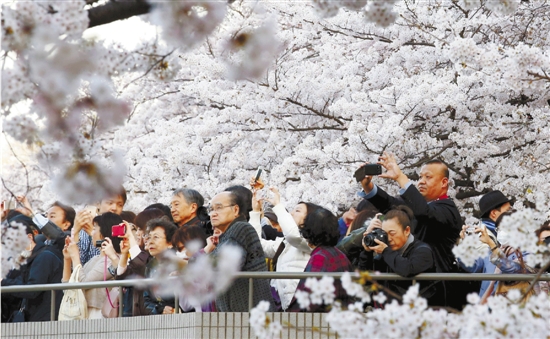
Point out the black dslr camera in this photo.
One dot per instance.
(377, 233)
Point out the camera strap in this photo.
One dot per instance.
(106, 289)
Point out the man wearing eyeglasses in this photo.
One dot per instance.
(226, 216)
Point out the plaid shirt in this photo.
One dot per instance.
(325, 259)
(86, 247)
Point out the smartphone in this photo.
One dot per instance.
(99, 242)
(368, 169)
(118, 230)
(258, 174)
(94, 210)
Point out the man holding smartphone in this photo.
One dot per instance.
(438, 220)
(83, 224)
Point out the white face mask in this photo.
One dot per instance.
(503, 237)
(182, 255)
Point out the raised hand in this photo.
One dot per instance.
(256, 184)
(211, 243)
(108, 249)
(256, 204)
(276, 198)
(349, 216)
(387, 160)
(393, 171)
(25, 207)
(374, 223)
(66, 254)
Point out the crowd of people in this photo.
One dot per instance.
(409, 234)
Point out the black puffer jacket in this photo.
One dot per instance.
(44, 266)
(417, 258)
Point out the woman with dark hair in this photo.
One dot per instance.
(399, 252)
(134, 258)
(320, 230)
(99, 267)
(128, 216)
(159, 243)
(288, 254)
(182, 241)
(186, 235)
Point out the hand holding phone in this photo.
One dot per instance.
(256, 182)
(118, 230)
(93, 210)
(367, 169)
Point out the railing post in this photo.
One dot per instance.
(52, 306)
(120, 299)
(176, 303)
(250, 294)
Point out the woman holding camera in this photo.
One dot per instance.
(99, 268)
(390, 247)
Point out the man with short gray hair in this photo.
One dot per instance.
(187, 209)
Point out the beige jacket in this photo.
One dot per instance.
(93, 271)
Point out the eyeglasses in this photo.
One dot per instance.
(155, 237)
(217, 208)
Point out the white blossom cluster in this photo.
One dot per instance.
(89, 181)
(338, 93)
(21, 127)
(322, 292)
(187, 23)
(499, 6)
(14, 241)
(255, 51)
(470, 249)
(412, 318)
(22, 20)
(354, 289)
(71, 102)
(520, 229)
(202, 280)
(261, 324)
(379, 12)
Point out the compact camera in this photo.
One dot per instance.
(118, 230)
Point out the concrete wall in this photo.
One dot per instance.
(187, 325)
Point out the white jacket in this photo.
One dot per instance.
(293, 258)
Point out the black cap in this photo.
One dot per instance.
(491, 201)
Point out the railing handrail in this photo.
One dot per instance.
(279, 275)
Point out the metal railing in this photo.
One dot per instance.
(142, 283)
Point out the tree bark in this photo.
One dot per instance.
(116, 10)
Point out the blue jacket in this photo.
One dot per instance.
(483, 265)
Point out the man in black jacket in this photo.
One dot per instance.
(402, 254)
(438, 219)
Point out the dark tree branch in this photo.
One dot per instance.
(117, 10)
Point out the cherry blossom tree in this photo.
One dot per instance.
(308, 91)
